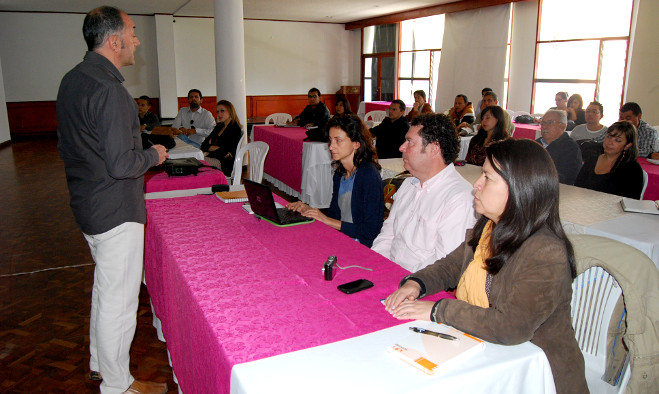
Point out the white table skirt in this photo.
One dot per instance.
(363, 365)
(316, 186)
(182, 150)
(464, 146)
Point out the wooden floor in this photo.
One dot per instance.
(46, 275)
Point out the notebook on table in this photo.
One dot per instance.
(263, 204)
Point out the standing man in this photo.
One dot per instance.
(563, 150)
(433, 210)
(194, 122)
(99, 142)
(390, 134)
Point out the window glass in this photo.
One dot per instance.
(569, 19)
(546, 92)
(568, 60)
(422, 33)
(612, 78)
(378, 39)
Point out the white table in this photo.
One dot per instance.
(362, 365)
(316, 174)
(183, 150)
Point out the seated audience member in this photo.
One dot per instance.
(562, 149)
(561, 100)
(390, 134)
(420, 106)
(194, 122)
(315, 114)
(432, 210)
(148, 120)
(647, 135)
(592, 129)
(462, 113)
(575, 110)
(492, 128)
(342, 107)
(479, 106)
(489, 99)
(616, 170)
(220, 146)
(514, 271)
(357, 206)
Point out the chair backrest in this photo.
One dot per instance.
(375, 116)
(257, 151)
(278, 118)
(645, 184)
(594, 297)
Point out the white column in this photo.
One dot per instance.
(166, 65)
(230, 55)
(4, 119)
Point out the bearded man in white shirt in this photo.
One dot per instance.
(432, 210)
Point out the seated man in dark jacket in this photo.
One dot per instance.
(390, 134)
(563, 150)
(314, 114)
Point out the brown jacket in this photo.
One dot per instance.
(529, 301)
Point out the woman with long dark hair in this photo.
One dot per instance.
(342, 107)
(514, 271)
(357, 206)
(220, 146)
(615, 170)
(492, 128)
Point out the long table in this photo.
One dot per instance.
(242, 290)
(159, 181)
(585, 211)
(301, 169)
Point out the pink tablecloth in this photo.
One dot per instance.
(242, 289)
(284, 160)
(652, 191)
(161, 182)
(525, 130)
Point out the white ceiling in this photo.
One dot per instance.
(334, 11)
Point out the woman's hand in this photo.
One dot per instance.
(413, 310)
(297, 206)
(213, 147)
(410, 291)
(571, 114)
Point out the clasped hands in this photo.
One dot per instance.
(185, 131)
(403, 303)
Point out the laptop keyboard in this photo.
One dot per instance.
(287, 216)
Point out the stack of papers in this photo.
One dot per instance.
(234, 196)
(640, 206)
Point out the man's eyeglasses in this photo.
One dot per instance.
(592, 111)
(313, 96)
(549, 122)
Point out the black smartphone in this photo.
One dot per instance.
(355, 286)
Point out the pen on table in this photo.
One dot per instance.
(434, 333)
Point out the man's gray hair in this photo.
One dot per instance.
(561, 114)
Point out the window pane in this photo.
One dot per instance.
(368, 90)
(611, 78)
(378, 39)
(407, 89)
(405, 67)
(387, 78)
(422, 64)
(436, 57)
(422, 33)
(568, 60)
(368, 66)
(568, 19)
(546, 92)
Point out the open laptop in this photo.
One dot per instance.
(263, 204)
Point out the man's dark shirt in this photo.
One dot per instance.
(390, 136)
(150, 120)
(100, 144)
(317, 116)
(566, 155)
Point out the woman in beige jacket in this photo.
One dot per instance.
(514, 271)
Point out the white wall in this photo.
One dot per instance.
(291, 57)
(34, 63)
(643, 83)
(4, 121)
